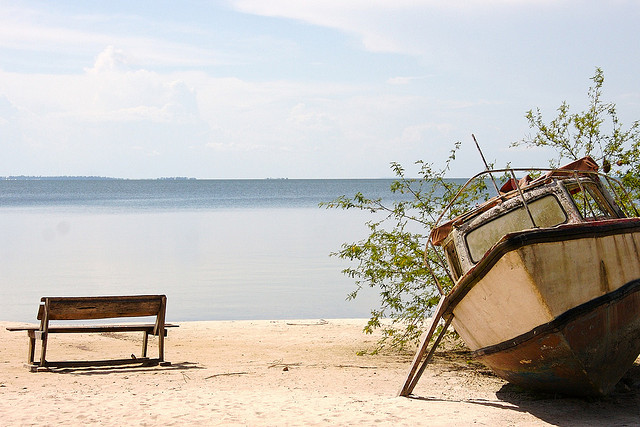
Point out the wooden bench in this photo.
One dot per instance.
(90, 308)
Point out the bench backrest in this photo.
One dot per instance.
(105, 307)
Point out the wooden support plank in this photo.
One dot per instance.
(407, 387)
(427, 359)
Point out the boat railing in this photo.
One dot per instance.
(622, 197)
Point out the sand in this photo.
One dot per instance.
(284, 373)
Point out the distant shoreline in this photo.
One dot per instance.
(180, 178)
(86, 178)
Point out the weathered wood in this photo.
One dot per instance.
(105, 307)
(44, 332)
(427, 359)
(159, 329)
(133, 327)
(32, 348)
(61, 329)
(415, 370)
(145, 341)
(90, 308)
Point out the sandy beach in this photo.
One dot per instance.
(298, 372)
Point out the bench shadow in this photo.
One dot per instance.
(104, 367)
(621, 407)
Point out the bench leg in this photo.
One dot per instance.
(161, 346)
(32, 347)
(43, 352)
(145, 342)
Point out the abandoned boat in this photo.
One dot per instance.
(546, 281)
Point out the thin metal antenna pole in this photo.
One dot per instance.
(486, 165)
(524, 202)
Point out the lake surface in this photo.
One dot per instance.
(219, 249)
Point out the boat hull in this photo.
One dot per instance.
(585, 351)
(556, 310)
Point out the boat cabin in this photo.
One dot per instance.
(569, 195)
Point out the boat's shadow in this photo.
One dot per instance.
(622, 407)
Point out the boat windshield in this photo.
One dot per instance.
(590, 203)
(546, 212)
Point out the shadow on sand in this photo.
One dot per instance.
(620, 408)
(101, 368)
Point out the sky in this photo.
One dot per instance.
(298, 88)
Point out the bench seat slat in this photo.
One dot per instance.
(134, 327)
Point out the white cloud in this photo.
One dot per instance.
(87, 120)
(7, 110)
(442, 35)
(420, 134)
(109, 91)
(302, 117)
(137, 91)
(234, 147)
(110, 60)
(36, 31)
(405, 80)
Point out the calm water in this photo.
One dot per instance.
(221, 249)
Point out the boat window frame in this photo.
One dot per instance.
(598, 197)
(516, 207)
(451, 253)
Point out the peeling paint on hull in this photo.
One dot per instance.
(585, 351)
